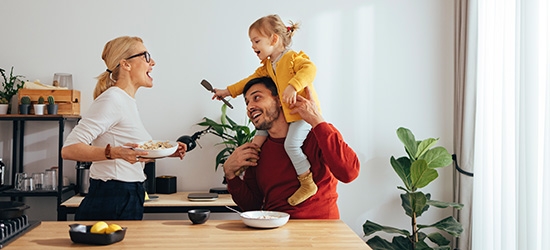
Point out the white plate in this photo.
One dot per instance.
(158, 153)
(264, 219)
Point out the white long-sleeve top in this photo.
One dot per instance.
(113, 118)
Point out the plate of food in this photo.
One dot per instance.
(264, 219)
(157, 148)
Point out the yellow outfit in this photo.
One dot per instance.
(292, 69)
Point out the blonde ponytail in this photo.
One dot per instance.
(113, 52)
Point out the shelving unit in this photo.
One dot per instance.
(17, 166)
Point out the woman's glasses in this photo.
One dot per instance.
(145, 54)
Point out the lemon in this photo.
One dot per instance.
(113, 228)
(99, 227)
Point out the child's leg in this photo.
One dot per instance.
(259, 137)
(297, 133)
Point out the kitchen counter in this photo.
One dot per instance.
(214, 234)
(166, 203)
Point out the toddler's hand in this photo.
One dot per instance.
(220, 93)
(289, 95)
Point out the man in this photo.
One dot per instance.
(271, 178)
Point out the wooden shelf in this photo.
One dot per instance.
(17, 165)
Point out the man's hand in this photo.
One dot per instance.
(307, 109)
(244, 156)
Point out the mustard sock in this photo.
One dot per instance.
(307, 189)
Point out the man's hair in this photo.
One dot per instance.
(266, 81)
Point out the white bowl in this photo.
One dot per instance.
(264, 219)
(157, 152)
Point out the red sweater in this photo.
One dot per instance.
(268, 185)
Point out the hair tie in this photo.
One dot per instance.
(109, 71)
(288, 28)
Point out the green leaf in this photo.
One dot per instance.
(414, 203)
(421, 175)
(438, 239)
(449, 225)
(407, 138)
(370, 227)
(402, 167)
(377, 243)
(400, 242)
(424, 146)
(224, 117)
(441, 248)
(443, 204)
(222, 156)
(438, 157)
(421, 245)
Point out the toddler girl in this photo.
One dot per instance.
(292, 72)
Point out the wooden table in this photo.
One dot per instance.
(166, 203)
(214, 234)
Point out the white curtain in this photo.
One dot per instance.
(511, 203)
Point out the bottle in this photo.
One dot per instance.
(2, 172)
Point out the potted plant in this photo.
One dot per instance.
(4, 105)
(52, 106)
(417, 170)
(232, 134)
(25, 105)
(39, 106)
(10, 85)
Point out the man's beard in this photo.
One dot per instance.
(270, 116)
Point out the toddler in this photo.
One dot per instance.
(292, 72)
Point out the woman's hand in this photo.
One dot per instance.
(244, 156)
(128, 153)
(180, 152)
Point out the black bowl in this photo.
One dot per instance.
(80, 233)
(198, 216)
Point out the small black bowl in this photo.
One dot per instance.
(198, 216)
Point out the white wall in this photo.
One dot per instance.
(381, 65)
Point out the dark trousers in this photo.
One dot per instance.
(112, 200)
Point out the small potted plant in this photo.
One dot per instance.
(10, 85)
(25, 105)
(4, 105)
(52, 106)
(39, 106)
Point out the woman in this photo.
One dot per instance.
(110, 129)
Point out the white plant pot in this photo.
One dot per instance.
(3, 109)
(39, 109)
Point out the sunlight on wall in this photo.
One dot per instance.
(343, 45)
(344, 61)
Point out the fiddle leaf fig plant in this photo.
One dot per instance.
(417, 170)
(232, 134)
